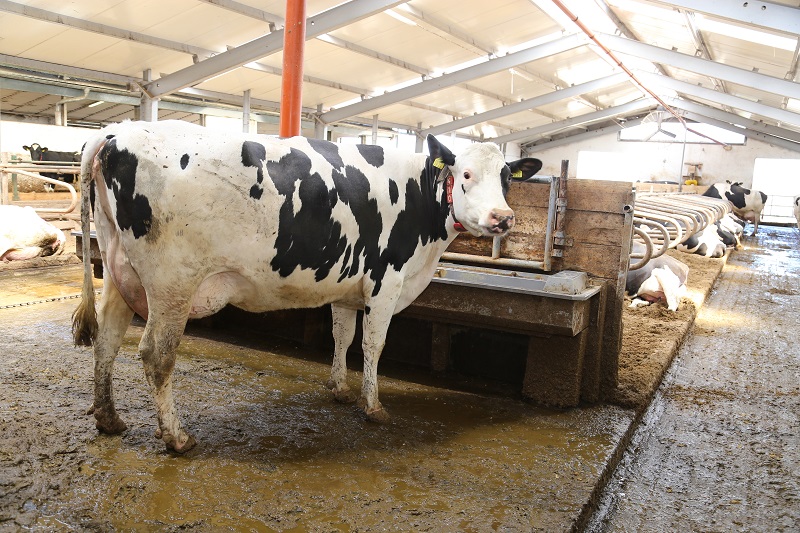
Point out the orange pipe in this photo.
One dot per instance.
(294, 40)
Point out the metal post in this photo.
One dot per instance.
(294, 39)
(374, 129)
(246, 112)
(319, 126)
(148, 109)
(420, 140)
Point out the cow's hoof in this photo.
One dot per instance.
(344, 396)
(379, 415)
(180, 445)
(111, 424)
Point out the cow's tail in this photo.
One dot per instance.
(84, 319)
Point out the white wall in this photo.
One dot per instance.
(15, 135)
(650, 161)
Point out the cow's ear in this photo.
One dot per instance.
(26, 147)
(440, 151)
(523, 169)
(44, 149)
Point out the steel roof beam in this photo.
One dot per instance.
(763, 137)
(735, 102)
(733, 119)
(588, 118)
(605, 130)
(316, 25)
(762, 13)
(102, 29)
(702, 66)
(454, 78)
(524, 105)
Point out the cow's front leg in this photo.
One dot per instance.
(113, 318)
(344, 329)
(158, 351)
(377, 316)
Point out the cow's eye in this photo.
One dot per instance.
(467, 175)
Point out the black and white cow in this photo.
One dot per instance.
(39, 153)
(189, 220)
(662, 279)
(746, 203)
(25, 235)
(706, 242)
(796, 210)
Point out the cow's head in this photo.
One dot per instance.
(36, 151)
(481, 178)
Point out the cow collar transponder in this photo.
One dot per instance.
(447, 176)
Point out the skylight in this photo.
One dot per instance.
(745, 34)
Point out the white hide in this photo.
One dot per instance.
(24, 235)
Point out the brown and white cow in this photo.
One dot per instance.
(189, 220)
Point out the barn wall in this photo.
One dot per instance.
(15, 135)
(662, 161)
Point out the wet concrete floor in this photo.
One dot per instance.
(276, 453)
(719, 447)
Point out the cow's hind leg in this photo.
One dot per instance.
(113, 318)
(344, 329)
(158, 347)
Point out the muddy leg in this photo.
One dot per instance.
(157, 348)
(344, 329)
(113, 317)
(376, 325)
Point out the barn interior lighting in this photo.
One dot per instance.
(401, 18)
(745, 34)
(95, 104)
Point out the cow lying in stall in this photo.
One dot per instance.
(662, 279)
(189, 220)
(747, 204)
(715, 239)
(24, 235)
(39, 153)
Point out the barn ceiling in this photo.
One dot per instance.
(508, 70)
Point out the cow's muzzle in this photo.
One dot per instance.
(501, 220)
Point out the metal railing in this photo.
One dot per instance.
(31, 170)
(665, 220)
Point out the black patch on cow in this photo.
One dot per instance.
(372, 154)
(366, 309)
(505, 179)
(737, 199)
(310, 238)
(421, 221)
(253, 155)
(329, 151)
(119, 172)
(184, 161)
(702, 249)
(713, 192)
(763, 197)
(394, 193)
(353, 189)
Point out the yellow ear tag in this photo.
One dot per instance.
(438, 163)
(517, 174)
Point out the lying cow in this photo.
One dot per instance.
(40, 153)
(24, 235)
(706, 242)
(662, 279)
(189, 220)
(747, 204)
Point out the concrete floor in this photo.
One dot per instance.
(719, 447)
